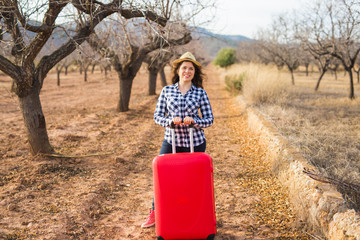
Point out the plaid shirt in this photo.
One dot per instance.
(172, 103)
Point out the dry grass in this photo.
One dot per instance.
(324, 126)
(263, 84)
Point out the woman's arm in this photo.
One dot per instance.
(160, 117)
(206, 113)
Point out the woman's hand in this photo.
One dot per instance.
(188, 120)
(176, 120)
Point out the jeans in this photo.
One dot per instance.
(167, 148)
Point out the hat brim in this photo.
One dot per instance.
(177, 61)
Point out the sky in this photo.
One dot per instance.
(244, 17)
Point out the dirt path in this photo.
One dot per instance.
(107, 195)
(250, 203)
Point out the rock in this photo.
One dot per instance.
(346, 225)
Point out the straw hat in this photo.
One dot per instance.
(186, 57)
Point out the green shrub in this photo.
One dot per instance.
(225, 57)
(234, 83)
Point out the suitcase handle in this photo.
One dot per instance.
(191, 126)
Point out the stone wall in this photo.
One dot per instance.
(318, 204)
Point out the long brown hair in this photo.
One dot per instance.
(198, 76)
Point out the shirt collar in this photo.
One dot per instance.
(191, 89)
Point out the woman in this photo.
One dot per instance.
(180, 103)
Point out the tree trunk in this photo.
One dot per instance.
(105, 70)
(292, 76)
(85, 75)
(126, 76)
(318, 82)
(58, 77)
(352, 94)
(163, 77)
(85, 72)
(125, 93)
(66, 70)
(152, 82)
(34, 120)
(307, 69)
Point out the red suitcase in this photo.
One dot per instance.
(184, 195)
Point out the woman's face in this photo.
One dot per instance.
(186, 71)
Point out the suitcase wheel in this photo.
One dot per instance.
(160, 238)
(211, 237)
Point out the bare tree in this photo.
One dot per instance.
(305, 59)
(105, 66)
(64, 64)
(86, 57)
(28, 37)
(128, 60)
(280, 44)
(260, 55)
(247, 51)
(333, 28)
(139, 38)
(323, 63)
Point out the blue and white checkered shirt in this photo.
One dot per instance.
(172, 103)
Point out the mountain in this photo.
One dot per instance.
(213, 42)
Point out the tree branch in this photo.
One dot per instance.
(41, 38)
(7, 11)
(25, 23)
(96, 44)
(160, 42)
(86, 6)
(9, 68)
(336, 182)
(134, 13)
(83, 33)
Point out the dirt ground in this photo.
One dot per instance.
(102, 187)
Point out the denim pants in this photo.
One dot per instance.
(167, 148)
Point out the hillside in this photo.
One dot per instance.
(214, 42)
